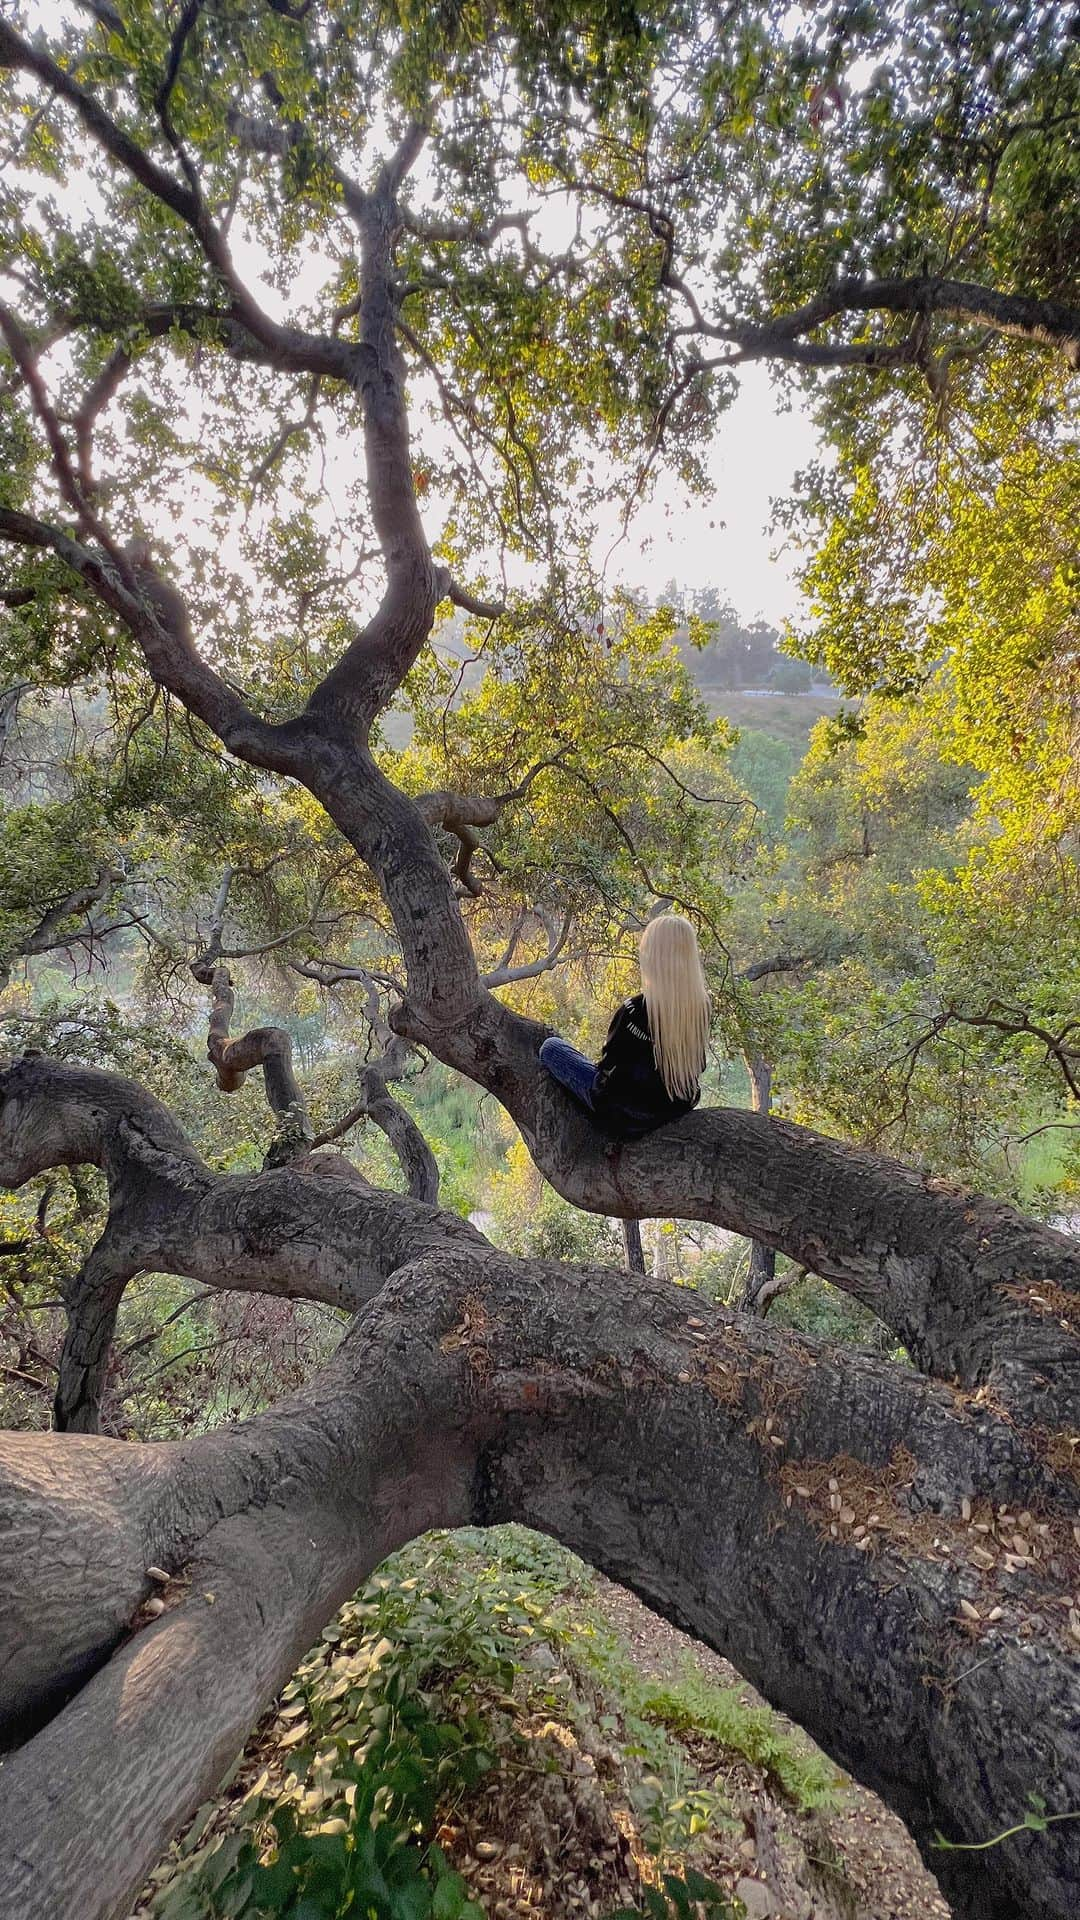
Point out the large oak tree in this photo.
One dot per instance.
(239, 227)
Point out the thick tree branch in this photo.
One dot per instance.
(966, 1284)
(169, 1213)
(778, 963)
(1049, 323)
(975, 1292)
(1042, 322)
(459, 596)
(477, 1388)
(155, 613)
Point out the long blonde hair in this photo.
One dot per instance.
(677, 1002)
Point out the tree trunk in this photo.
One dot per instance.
(692, 1463)
(761, 1284)
(474, 1387)
(635, 1252)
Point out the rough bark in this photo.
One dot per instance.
(474, 1387)
(580, 1401)
(972, 1291)
(635, 1252)
(976, 1292)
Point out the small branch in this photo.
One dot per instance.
(377, 1103)
(459, 597)
(505, 975)
(1015, 1021)
(23, 355)
(462, 813)
(97, 399)
(47, 937)
(779, 963)
(26, 1379)
(267, 1047)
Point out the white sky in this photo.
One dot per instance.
(725, 542)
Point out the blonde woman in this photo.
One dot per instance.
(654, 1056)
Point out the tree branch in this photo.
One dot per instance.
(46, 936)
(377, 1103)
(267, 1047)
(568, 1399)
(183, 200)
(505, 975)
(1039, 321)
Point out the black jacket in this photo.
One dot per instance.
(630, 1098)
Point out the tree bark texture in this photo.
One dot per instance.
(693, 1463)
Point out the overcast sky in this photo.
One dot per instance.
(726, 543)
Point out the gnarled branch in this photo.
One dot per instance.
(267, 1047)
(569, 1399)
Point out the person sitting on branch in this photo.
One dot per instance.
(649, 1072)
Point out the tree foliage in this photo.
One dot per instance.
(317, 317)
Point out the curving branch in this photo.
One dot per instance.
(1041, 322)
(377, 1103)
(71, 485)
(97, 398)
(267, 1047)
(168, 1213)
(1063, 1047)
(476, 1389)
(161, 628)
(462, 814)
(182, 199)
(505, 975)
(1049, 323)
(951, 1274)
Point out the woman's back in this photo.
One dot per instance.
(654, 1056)
(630, 1096)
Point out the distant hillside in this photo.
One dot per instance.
(784, 716)
(774, 729)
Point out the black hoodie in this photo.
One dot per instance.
(630, 1097)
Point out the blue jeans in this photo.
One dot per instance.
(570, 1068)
